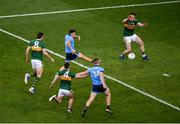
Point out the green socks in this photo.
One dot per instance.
(35, 81)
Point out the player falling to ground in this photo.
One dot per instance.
(98, 85)
(71, 53)
(130, 24)
(37, 48)
(65, 77)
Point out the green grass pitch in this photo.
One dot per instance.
(101, 33)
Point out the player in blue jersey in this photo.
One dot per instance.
(98, 85)
(71, 53)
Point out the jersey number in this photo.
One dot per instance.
(66, 74)
(96, 73)
(36, 44)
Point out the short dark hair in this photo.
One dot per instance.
(72, 31)
(95, 60)
(132, 13)
(66, 65)
(40, 35)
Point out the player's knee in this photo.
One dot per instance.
(71, 96)
(39, 72)
(80, 55)
(58, 100)
(108, 93)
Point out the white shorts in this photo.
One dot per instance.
(36, 63)
(63, 92)
(129, 39)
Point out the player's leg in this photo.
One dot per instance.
(32, 74)
(39, 74)
(39, 71)
(80, 55)
(70, 57)
(128, 48)
(70, 102)
(61, 68)
(88, 103)
(59, 97)
(140, 42)
(108, 100)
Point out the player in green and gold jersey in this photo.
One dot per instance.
(130, 24)
(38, 49)
(65, 77)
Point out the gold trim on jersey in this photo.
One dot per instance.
(65, 78)
(36, 48)
(130, 26)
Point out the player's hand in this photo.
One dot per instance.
(79, 38)
(73, 51)
(145, 24)
(52, 60)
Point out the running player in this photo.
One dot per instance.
(65, 77)
(71, 53)
(98, 85)
(37, 48)
(130, 24)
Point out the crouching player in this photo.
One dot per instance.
(98, 85)
(130, 24)
(38, 49)
(65, 77)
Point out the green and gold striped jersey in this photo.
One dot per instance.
(36, 49)
(129, 27)
(65, 79)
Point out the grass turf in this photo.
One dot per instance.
(102, 31)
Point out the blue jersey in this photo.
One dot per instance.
(71, 39)
(94, 73)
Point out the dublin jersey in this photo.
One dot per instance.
(71, 39)
(36, 49)
(94, 73)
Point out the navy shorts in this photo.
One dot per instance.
(70, 56)
(98, 89)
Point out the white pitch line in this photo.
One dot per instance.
(90, 9)
(109, 77)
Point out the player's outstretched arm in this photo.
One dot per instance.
(54, 80)
(124, 21)
(78, 37)
(82, 74)
(47, 55)
(27, 53)
(101, 74)
(142, 24)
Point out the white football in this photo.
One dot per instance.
(131, 56)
